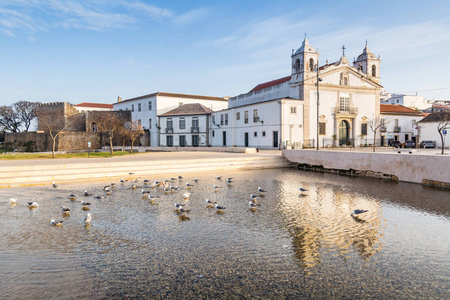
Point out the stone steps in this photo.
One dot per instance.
(35, 175)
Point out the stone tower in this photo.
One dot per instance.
(304, 61)
(369, 64)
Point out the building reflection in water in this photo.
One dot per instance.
(320, 220)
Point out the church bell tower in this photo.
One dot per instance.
(369, 64)
(304, 61)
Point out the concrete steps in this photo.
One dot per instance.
(46, 174)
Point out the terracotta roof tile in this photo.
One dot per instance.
(94, 105)
(189, 109)
(397, 109)
(270, 83)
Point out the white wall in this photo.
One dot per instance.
(407, 126)
(203, 121)
(429, 132)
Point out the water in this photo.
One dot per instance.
(292, 246)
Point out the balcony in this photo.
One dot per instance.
(397, 128)
(195, 129)
(383, 129)
(169, 130)
(349, 111)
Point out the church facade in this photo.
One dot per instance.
(285, 113)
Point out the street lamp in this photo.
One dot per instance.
(317, 84)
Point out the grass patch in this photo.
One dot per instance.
(60, 155)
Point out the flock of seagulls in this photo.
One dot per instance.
(168, 188)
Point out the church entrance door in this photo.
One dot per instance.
(343, 132)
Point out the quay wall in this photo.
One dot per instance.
(417, 168)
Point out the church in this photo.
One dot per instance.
(329, 104)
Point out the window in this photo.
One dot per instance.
(345, 81)
(149, 105)
(132, 107)
(221, 119)
(246, 116)
(344, 104)
(195, 123)
(182, 141)
(169, 124)
(322, 128)
(382, 121)
(139, 107)
(360, 68)
(293, 110)
(182, 123)
(263, 133)
(169, 141)
(214, 120)
(364, 129)
(213, 133)
(238, 116)
(297, 65)
(226, 119)
(396, 122)
(311, 64)
(255, 134)
(255, 116)
(374, 71)
(149, 123)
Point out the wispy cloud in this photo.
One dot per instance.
(191, 16)
(151, 11)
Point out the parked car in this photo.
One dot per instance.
(395, 144)
(410, 144)
(427, 144)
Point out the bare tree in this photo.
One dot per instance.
(9, 119)
(26, 112)
(443, 120)
(376, 123)
(110, 123)
(54, 121)
(133, 131)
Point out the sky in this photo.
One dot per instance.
(96, 50)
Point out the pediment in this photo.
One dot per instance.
(335, 75)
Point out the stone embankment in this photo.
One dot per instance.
(402, 166)
(154, 165)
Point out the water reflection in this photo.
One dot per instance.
(133, 248)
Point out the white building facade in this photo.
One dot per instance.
(411, 101)
(283, 113)
(146, 109)
(399, 123)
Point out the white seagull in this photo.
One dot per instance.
(219, 207)
(302, 189)
(55, 185)
(13, 200)
(358, 211)
(33, 205)
(186, 195)
(261, 190)
(55, 223)
(87, 219)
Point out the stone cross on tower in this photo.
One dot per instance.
(343, 50)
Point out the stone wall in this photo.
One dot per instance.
(41, 141)
(78, 140)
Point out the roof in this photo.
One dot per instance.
(94, 105)
(436, 117)
(270, 83)
(398, 110)
(189, 109)
(176, 96)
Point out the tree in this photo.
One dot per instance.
(54, 121)
(133, 130)
(9, 119)
(443, 120)
(375, 123)
(26, 112)
(110, 123)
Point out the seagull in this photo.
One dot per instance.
(133, 186)
(72, 197)
(122, 181)
(219, 177)
(86, 193)
(254, 197)
(219, 207)
(13, 200)
(210, 202)
(358, 211)
(33, 205)
(113, 185)
(65, 209)
(216, 187)
(230, 180)
(85, 203)
(146, 181)
(55, 185)
(145, 192)
(173, 178)
(252, 204)
(99, 197)
(186, 195)
(182, 210)
(178, 205)
(55, 223)
(180, 177)
(261, 190)
(196, 180)
(87, 219)
(302, 189)
(189, 185)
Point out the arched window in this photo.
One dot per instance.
(311, 64)
(360, 68)
(297, 65)
(345, 81)
(374, 71)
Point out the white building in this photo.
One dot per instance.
(187, 125)
(411, 101)
(283, 112)
(146, 109)
(429, 128)
(87, 106)
(398, 123)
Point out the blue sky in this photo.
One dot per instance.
(95, 50)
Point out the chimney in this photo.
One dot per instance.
(119, 99)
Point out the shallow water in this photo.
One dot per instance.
(292, 246)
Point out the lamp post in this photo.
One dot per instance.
(317, 85)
